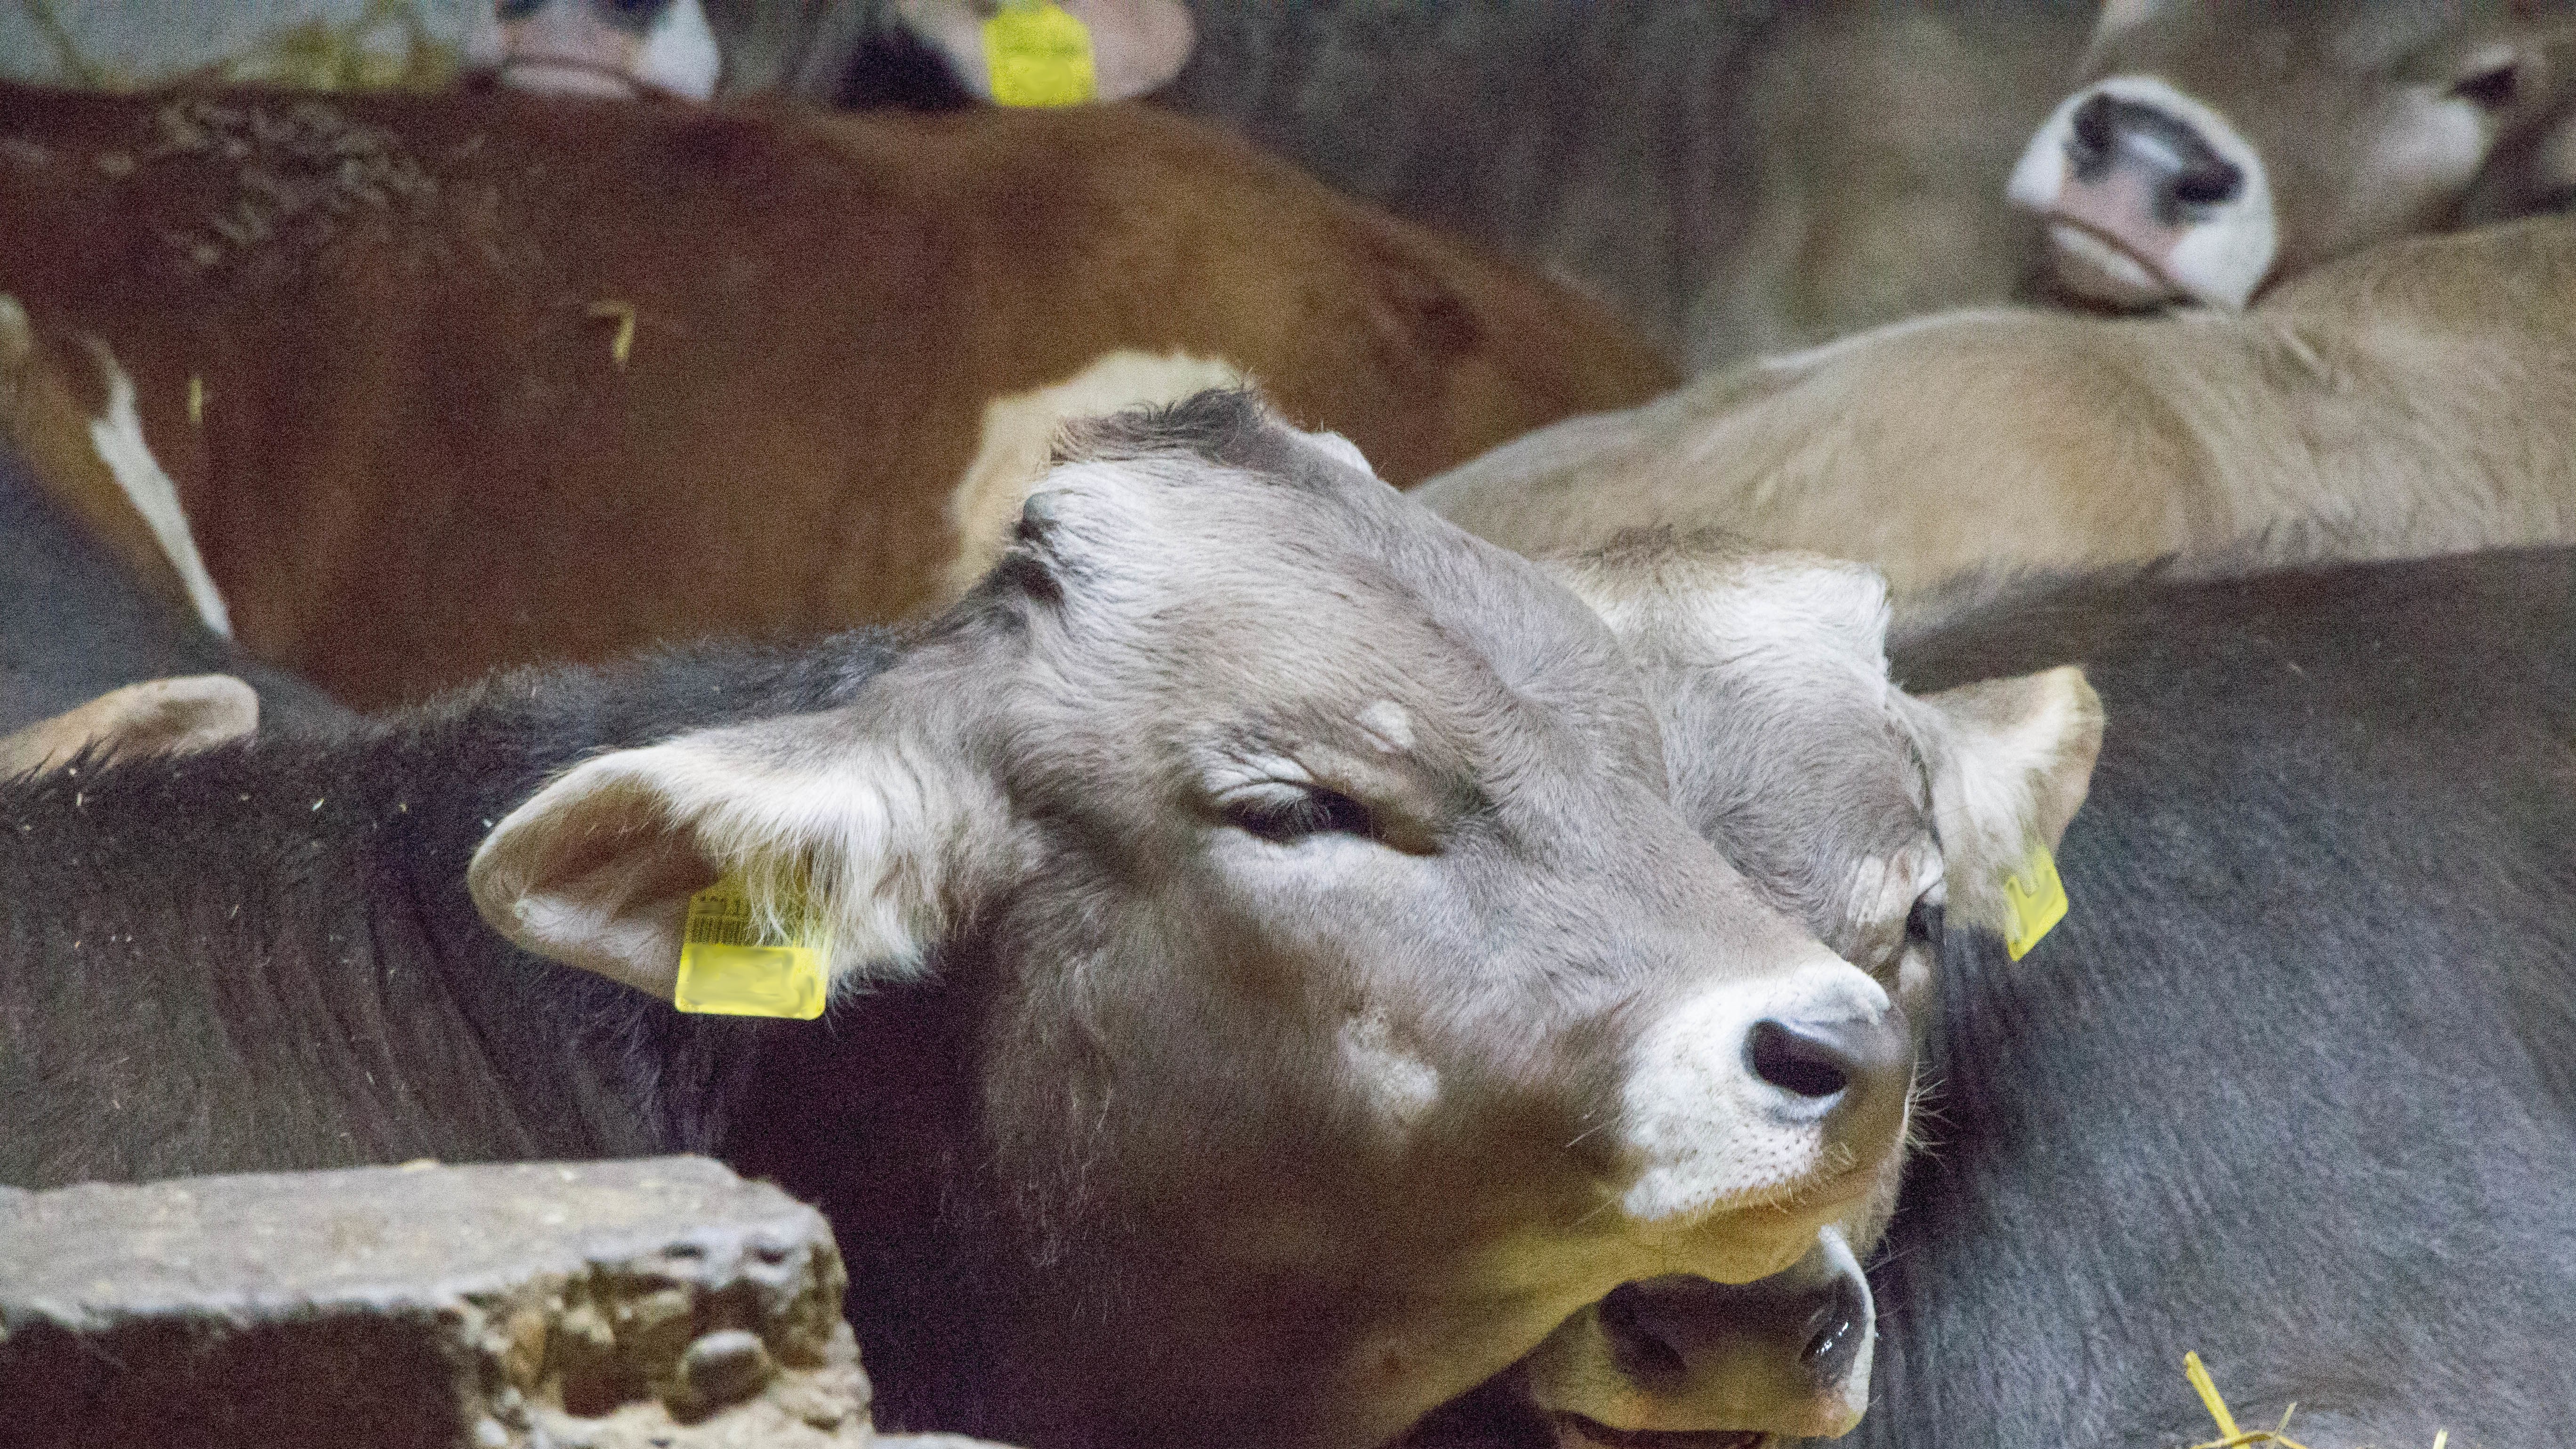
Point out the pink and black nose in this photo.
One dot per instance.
(2150, 197)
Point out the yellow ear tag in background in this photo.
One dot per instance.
(2037, 900)
(730, 967)
(1040, 55)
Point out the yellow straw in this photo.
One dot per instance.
(2199, 1376)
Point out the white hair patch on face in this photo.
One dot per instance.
(1390, 723)
(1710, 1134)
(1402, 1086)
(2433, 143)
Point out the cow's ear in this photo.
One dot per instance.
(1136, 45)
(156, 717)
(870, 840)
(2010, 761)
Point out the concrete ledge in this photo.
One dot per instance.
(657, 1304)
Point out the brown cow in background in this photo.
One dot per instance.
(449, 383)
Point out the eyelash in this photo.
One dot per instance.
(1285, 814)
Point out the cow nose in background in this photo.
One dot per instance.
(2181, 171)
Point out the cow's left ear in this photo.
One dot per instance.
(868, 837)
(1136, 45)
(2010, 761)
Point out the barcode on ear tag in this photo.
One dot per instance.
(2037, 900)
(1039, 54)
(729, 966)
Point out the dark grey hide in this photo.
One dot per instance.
(73, 625)
(2295, 1083)
(1734, 178)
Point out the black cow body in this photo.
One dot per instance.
(73, 625)
(2293, 1085)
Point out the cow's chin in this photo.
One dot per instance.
(2100, 270)
(1573, 1431)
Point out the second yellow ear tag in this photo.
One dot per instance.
(2037, 900)
(1039, 54)
(729, 966)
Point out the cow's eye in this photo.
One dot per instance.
(1923, 923)
(1284, 813)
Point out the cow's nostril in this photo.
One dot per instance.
(1838, 1327)
(1797, 1062)
(2210, 183)
(1634, 1343)
(2092, 128)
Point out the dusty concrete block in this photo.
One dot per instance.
(660, 1304)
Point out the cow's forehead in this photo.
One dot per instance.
(1782, 736)
(1259, 563)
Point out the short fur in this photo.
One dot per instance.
(2407, 401)
(2291, 1086)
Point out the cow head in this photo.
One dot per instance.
(1871, 816)
(618, 48)
(1349, 1004)
(2216, 145)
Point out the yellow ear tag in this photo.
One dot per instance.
(2037, 899)
(730, 966)
(1040, 55)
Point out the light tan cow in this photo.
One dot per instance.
(2416, 399)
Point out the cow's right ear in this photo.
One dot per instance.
(2010, 761)
(871, 838)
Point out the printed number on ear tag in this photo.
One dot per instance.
(729, 966)
(1040, 55)
(2037, 899)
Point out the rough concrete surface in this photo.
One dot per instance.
(656, 1304)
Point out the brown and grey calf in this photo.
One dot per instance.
(2419, 398)
(2214, 147)
(1319, 1015)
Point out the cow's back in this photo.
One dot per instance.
(456, 382)
(2290, 1086)
(75, 624)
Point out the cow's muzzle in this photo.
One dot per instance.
(1684, 1363)
(2150, 197)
